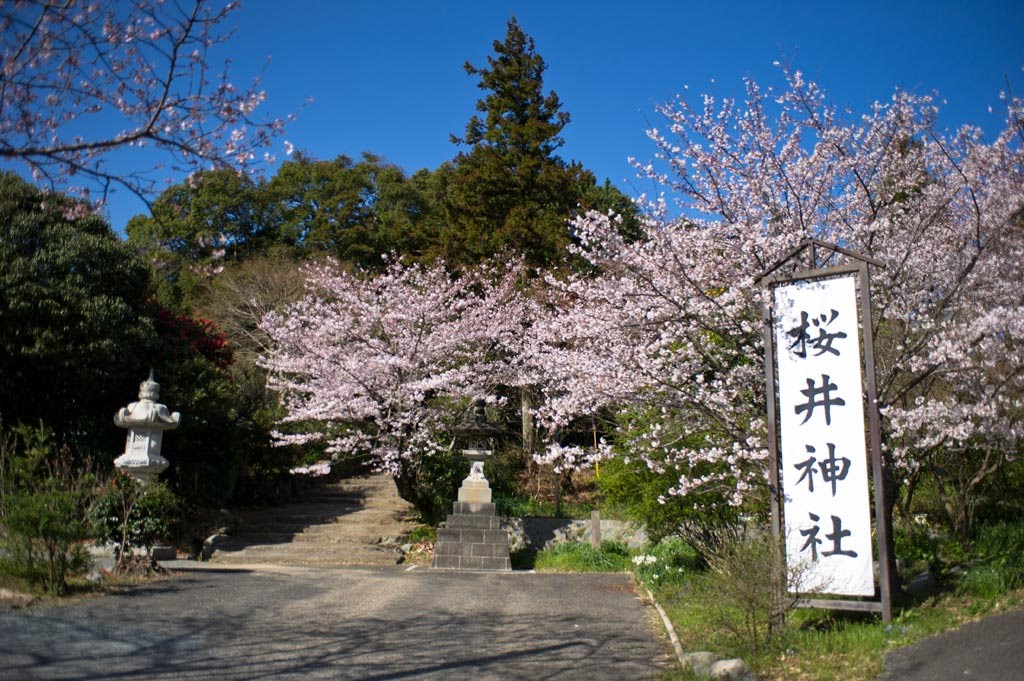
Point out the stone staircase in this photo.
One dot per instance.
(357, 521)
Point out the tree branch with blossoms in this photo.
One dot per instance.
(673, 320)
(81, 80)
(381, 365)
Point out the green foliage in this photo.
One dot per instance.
(704, 519)
(986, 582)
(422, 533)
(134, 516)
(998, 561)
(1002, 545)
(510, 191)
(582, 557)
(236, 300)
(431, 483)
(737, 606)
(669, 561)
(44, 499)
(503, 471)
(355, 211)
(216, 216)
(193, 359)
(925, 547)
(750, 582)
(521, 506)
(74, 335)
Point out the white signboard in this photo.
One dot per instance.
(822, 436)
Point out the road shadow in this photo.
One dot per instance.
(191, 628)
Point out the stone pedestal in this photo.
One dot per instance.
(473, 538)
(475, 489)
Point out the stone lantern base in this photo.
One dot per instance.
(472, 539)
(144, 468)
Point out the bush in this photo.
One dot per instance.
(44, 499)
(744, 596)
(926, 548)
(1002, 546)
(669, 561)
(74, 335)
(704, 521)
(421, 533)
(999, 561)
(133, 516)
(431, 483)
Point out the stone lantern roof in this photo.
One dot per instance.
(147, 413)
(476, 430)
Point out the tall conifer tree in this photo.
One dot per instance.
(510, 191)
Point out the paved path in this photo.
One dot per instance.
(354, 521)
(337, 623)
(991, 649)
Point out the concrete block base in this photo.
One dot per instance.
(472, 539)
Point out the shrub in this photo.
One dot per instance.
(925, 547)
(1002, 546)
(134, 516)
(644, 478)
(422, 533)
(999, 561)
(44, 499)
(431, 483)
(746, 595)
(74, 336)
(667, 562)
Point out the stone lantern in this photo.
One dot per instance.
(476, 433)
(146, 421)
(472, 538)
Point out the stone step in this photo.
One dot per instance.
(338, 523)
(298, 547)
(333, 527)
(352, 537)
(350, 556)
(292, 518)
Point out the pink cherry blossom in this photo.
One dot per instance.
(672, 323)
(80, 80)
(384, 365)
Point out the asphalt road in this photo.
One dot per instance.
(991, 649)
(306, 623)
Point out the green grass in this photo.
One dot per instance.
(530, 506)
(421, 533)
(823, 645)
(814, 645)
(818, 645)
(582, 557)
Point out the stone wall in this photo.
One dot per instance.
(536, 533)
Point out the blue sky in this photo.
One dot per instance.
(387, 77)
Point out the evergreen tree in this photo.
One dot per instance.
(510, 191)
(73, 331)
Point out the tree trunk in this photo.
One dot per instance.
(526, 405)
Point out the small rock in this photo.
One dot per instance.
(700, 663)
(923, 586)
(164, 553)
(729, 670)
(211, 544)
(405, 548)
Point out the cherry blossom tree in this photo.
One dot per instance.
(672, 322)
(383, 365)
(80, 80)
